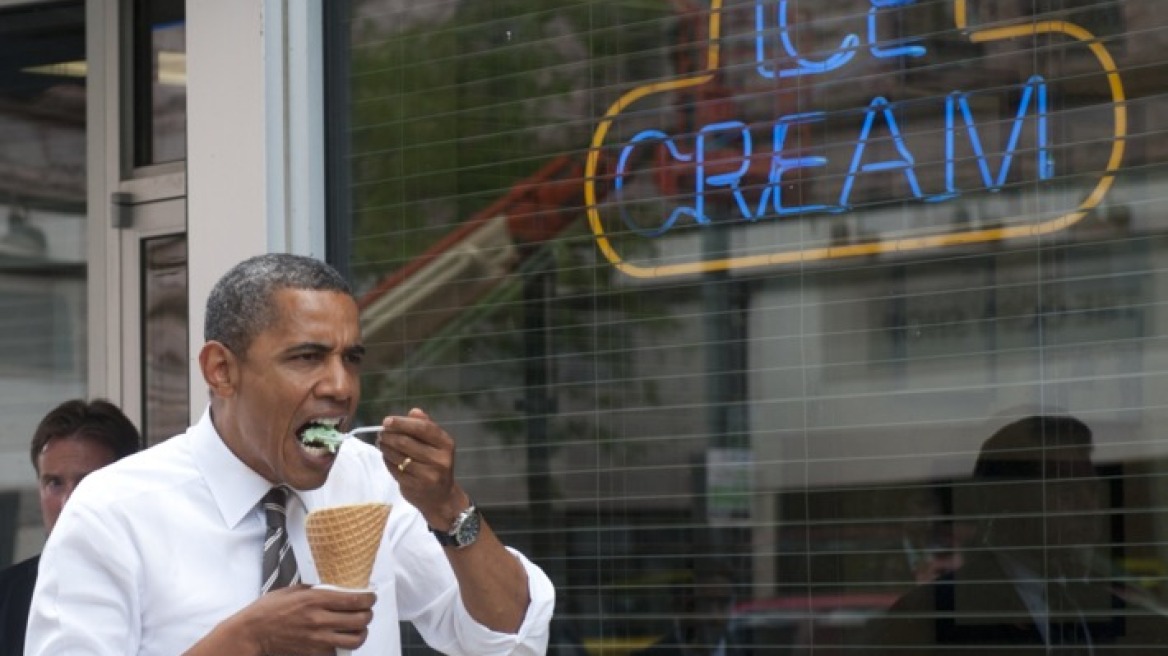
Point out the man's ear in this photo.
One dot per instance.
(220, 369)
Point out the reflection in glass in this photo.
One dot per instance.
(160, 82)
(165, 367)
(42, 236)
(807, 420)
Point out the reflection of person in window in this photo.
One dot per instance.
(1033, 576)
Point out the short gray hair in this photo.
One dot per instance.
(241, 304)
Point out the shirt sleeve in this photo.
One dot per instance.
(85, 602)
(428, 597)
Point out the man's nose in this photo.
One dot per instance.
(338, 381)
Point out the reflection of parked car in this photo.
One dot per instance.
(794, 625)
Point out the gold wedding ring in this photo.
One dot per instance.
(404, 463)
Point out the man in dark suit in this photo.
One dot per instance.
(1036, 579)
(73, 440)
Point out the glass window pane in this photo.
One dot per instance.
(160, 81)
(795, 327)
(42, 240)
(166, 367)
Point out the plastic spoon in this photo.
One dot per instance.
(360, 431)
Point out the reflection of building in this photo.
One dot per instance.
(22, 241)
(165, 337)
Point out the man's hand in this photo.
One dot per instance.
(420, 455)
(294, 621)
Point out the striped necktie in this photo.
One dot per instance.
(279, 562)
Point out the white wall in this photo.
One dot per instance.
(254, 141)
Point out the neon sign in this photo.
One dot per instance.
(776, 57)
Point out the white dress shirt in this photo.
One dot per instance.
(153, 551)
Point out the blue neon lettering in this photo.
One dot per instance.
(619, 182)
(1034, 87)
(781, 165)
(730, 180)
(900, 47)
(880, 106)
(843, 54)
(714, 137)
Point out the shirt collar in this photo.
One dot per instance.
(234, 486)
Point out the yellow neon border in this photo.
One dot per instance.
(910, 243)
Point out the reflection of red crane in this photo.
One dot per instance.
(415, 301)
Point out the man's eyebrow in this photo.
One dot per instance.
(318, 347)
(308, 347)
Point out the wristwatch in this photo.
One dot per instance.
(464, 532)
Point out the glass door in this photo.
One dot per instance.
(154, 317)
(148, 218)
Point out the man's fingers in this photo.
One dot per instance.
(349, 623)
(351, 640)
(303, 619)
(344, 601)
(417, 426)
(415, 437)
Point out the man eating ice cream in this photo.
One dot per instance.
(163, 553)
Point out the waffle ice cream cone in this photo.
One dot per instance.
(344, 541)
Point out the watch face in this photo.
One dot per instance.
(468, 531)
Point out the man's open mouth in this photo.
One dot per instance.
(321, 435)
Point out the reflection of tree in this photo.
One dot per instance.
(450, 113)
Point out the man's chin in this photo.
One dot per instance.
(305, 482)
(311, 469)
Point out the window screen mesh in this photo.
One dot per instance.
(779, 326)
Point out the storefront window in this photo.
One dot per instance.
(42, 241)
(790, 327)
